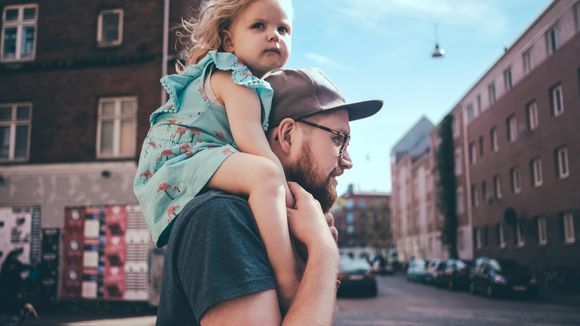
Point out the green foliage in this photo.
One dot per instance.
(447, 196)
(377, 227)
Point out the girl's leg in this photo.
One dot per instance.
(265, 185)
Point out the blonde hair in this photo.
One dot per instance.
(204, 32)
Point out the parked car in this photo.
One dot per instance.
(455, 275)
(434, 269)
(495, 277)
(382, 266)
(356, 277)
(417, 270)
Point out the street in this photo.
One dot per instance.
(403, 303)
(398, 303)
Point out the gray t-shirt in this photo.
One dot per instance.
(215, 253)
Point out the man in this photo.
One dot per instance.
(216, 270)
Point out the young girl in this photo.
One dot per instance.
(211, 130)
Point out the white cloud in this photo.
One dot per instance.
(322, 60)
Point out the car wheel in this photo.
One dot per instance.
(489, 291)
(472, 288)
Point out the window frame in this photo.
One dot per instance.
(562, 162)
(494, 139)
(508, 79)
(542, 231)
(500, 235)
(20, 24)
(516, 180)
(520, 236)
(512, 128)
(460, 205)
(576, 11)
(472, 153)
(569, 229)
(119, 40)
(537, 174)
(458, 163)
(557, 96)
(528, 61)
(552, 40)
(474, 196)
(116, 118)
(491, 91)
(532, 114)
(497, 186)
(13, 123)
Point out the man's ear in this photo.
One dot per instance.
(285, 134)
(228, 43)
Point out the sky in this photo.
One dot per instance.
(381, 49)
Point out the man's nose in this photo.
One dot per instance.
(345, 161)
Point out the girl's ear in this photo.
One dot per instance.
(228, 43)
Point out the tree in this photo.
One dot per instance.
(377, 227)
(447, 193)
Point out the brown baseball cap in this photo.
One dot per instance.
(304, 92)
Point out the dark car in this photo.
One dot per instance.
(382, 266)
(455, 275)
(417, 270)
(434, 269)
(356, 277)
(495, 277)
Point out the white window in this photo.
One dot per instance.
(537, 172)
(15, 120)
(512, 128)
(460, 207)
(458, 159)
(500, 235)
(557, 100)
(494, 141)
(19, 32)
(472, 153)
(507, 79)
(117, 127)
(552, 42)
(516, 185)
(479, 108)
(350, 229)
(491, 93)
(110, 27)
(520, 234)
(532, 113)
(478, 238)
(542, 232)
(562, 162)
(569, 232)
(528, 61)
(470, 113)
(497, 186)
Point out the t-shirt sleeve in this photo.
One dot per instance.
(221, 255)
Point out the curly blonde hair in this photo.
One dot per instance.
(204, 31)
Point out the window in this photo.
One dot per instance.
(455, 127)
(557, 100)
(362, 203)
(532, 113)
(577, 16)
(110, 27)
(350, 229)
(19, 32)
(116, 130)
(507, 79)
(568, 222)
(497, 186)
(470, 113)
(480, 146)
(478, 238)
(552, 43)
(500, 235)
(474, 196)
(536, 166)
(512, 128)
(542, 232)
(562, 162)
(491, 93)
(486, 236)
(472, 153)
(460, 207)
(484, 191)
(350, 217)
(493, 137)
(528, 62)
(15, 122)
(458, 157)
(520, 234)
(479, 108)
(516, 185)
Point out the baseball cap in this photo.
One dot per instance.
(304, 92)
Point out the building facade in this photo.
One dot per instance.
(74, 107)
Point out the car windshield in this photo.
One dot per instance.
(347, 264)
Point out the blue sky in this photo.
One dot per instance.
(382, 49)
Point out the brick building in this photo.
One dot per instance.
(78, 83)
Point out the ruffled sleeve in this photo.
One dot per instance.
(241, 75)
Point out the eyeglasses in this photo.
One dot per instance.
(344, 138)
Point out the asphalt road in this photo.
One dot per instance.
(403, 303)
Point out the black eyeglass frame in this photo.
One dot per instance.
(345, 137)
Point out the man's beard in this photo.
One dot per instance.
(303, 173)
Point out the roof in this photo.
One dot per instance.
(415, 142)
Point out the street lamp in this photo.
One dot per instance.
(438, 52)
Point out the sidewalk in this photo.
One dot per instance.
(572, 300)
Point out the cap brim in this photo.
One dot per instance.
(357, 110)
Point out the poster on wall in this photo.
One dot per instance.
(20, 229)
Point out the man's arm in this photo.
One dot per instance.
(315, 299)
